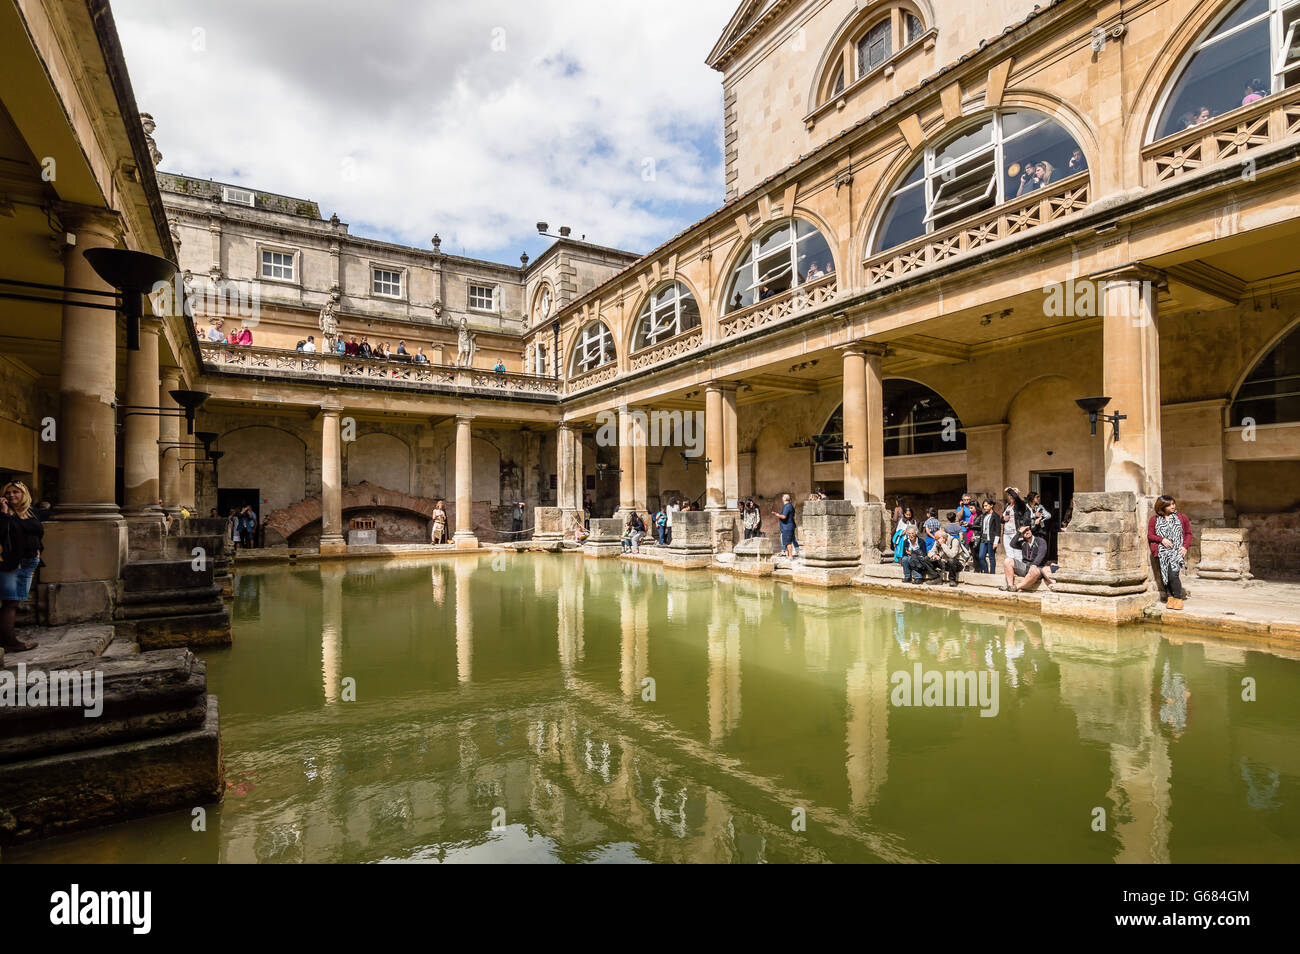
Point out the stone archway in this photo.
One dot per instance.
(410, 514)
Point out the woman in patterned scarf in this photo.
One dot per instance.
(1169, 533)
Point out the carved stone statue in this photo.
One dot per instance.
(329, 325)
(466, 346)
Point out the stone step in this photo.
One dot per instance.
(61, 646)
(152, 575)
(134, 696)
(51, 794)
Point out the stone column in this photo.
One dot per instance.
(140, 430)
(864, 455)
(464, 538)
(1131, 378)
(85, 544)
(874, 451)
(169, 432)
(626, 463)
(857, 455)
(730, 450)
(331, 480)
(714, 444)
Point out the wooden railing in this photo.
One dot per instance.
(1228, 136)
(1052, 202)
(779, 307)
(351, 368)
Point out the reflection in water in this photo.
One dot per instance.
(500, 715)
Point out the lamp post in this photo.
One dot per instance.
(1093, 407)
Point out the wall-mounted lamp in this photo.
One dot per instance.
(1093, 406)
(686, 461)
(603, 470)
(134, 274)
(189, 401)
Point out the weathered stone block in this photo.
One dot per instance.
(547, 523)
(754, 557)
(692, 544)
(1114, 501)
(1225, 554)
(363, 538)
(830, 534)
(1103, 521)
(605, 538)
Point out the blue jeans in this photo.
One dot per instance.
(986, 559)
(663, 532)
(915, 567)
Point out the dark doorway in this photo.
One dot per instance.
(236, 498)
(1057, 490)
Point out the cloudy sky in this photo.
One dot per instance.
(473, 119)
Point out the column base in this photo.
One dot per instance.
(333, 545)
(83, 567)
(145, 534)
(464, 540)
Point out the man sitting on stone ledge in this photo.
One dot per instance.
(1030, 563)
(945, 556)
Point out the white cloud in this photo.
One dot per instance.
(474, 120)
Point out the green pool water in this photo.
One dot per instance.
(547, 708)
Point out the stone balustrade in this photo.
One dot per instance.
(779, 307)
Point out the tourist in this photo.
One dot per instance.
(215, 335)
(674, 506)
(233, 527)
(245, 337)
(1169, 533)
(517, 518)
(953, 525)
(910, 555)
(438, 524)
(661, 526)
(1078, 162)
(814, 273)
(1029, 563)
(764, 292)
(751, 519)
(931, 525)
(44, 511)
(364, 350)
(350, 349)
(302, 343)
(1039, 516)
(401, 347)
(213, 515)
(233, 337)
(898, 510)
(340, 347)
(1255, 90)
(786, 521)
(1029, 179)
(966, 516)
(248, 527)
(21, 538)
(310, 346)
(904, 519)
(499, 367)
(1202, 115)
(945, 556)
(420, 356)
(586, 512)
(635, 531)
(990, 532)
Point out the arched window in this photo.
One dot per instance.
(917, 421)
(784, 257)
(593, 348)
(1271, 392)
(1006, 155)
(867, 44)
(669, 312)
(542, 306)
(1253, 51)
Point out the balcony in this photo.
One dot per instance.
(673, 347)
(1049, 204)
(274, 363)
(1231, 135)
(779, 307)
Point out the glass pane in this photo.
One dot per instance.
(1248, 10)
(814, 260)
(875, 47)
(690, 313)
(969, 180)
(1217, 79)
(1039, 158)
(1271, 393)
(774, 274)
(1018, 121)
(839, 82)
(904, 221)
(774, 239)
(741, 294)
(973, 139)
(913, 28)
(916, 175)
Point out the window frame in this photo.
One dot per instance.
(293, 264)
(650, 312)
(494, 293)
(589, 342)
(753, 256)
(398, 273)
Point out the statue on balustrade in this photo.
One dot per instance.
(329, 325)
(466, 346)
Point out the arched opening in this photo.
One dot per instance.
(669, 311)
(1005, 155)
(873, 39)
(785, 256)
(593, 348)
(1270, 394)
(1252, 51)
(917, 421)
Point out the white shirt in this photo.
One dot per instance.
(672, 509)
(309, 346)
(214, 334)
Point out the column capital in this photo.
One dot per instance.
(331, 410)
(723, 386)
(78, 218)
(1133, 272)
(868, 348)
(464, 418)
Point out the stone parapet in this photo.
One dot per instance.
(548, 525)
(753, 557)
(1225, 554)
(693, 540)
(831, 535)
